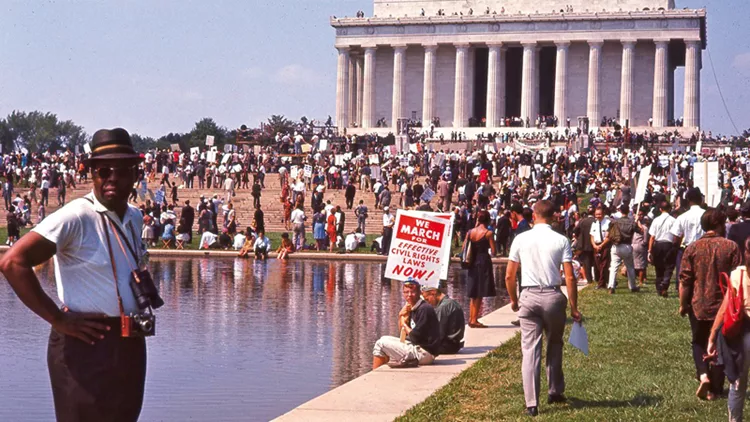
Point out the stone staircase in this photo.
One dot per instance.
(271, 205)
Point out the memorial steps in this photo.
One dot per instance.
(272, 208)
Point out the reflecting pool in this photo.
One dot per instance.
(237, 339)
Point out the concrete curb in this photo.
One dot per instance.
(387, 393)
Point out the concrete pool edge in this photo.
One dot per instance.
(359, 257)
(387, 393)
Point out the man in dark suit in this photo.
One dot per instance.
(350, 192)
(188, 213)
(739, 232)
(583, 243)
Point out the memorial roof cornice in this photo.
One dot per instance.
(337, 22)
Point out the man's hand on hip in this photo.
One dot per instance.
(82, 326)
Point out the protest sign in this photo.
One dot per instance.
(403, 161)
(211, 156)
(427, 195)
(306, 148)
(174, 147)
(420, 247)
(323, 145)
(706, 178)
(374, 159)
(195, 151)
(225, 159)
(579, 338)
(209, 140)
(308, 170)
(640, 190)
(738, 182)
(87, 148)
(227, 148)
(293, 172)
(159, 197)
(663, 161)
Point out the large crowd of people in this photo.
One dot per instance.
(493, 191)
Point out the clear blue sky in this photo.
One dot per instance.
(155, 66)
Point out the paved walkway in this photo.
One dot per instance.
(386, 393)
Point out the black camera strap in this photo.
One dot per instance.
(114, 266)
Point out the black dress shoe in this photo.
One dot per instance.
(556, 398)
(635, 290)
(532, 411)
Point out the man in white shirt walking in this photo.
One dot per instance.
(662, 251)
(541, 252)
(687, 227)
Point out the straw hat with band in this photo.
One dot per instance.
(113, 144)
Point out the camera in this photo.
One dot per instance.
(144, 290)
(138, 325)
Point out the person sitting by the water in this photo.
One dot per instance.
(168, 235)
(225, 239)
(451, 319)
(420, 332)
(249, 241)
(261, 246)
(285, 248)
(239, 241)
(375, 246)
(208, 239)
(183, 231)
(354, 240)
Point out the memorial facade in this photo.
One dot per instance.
(483, 61)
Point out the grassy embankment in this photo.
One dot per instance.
(640, 369)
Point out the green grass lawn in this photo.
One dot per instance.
(640, 369)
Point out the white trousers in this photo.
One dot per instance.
(399, 353)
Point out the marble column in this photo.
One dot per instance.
(528, 83)
(342, 85)
(461, 97)
(626, 82)
(561, 82)
(360, 89)
(352, 91)
(495, 85)
(399, 84)
(660, 84)
(693, 84)
(368, 89)
(593, 109)
(428, 96)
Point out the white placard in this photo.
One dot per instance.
(293, 172)
(420, 247)
(738, 182)
(211, 156)
(640, 190)
(225, 159)
(323, 145)
(706, 178)
(210, 140)
(308, 170)
(195, 151)
(86, 148)
(374, 159)
(427, 195)
(579, 338)
(174, 147)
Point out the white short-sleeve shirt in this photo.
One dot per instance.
(540, 251)
(83, 269)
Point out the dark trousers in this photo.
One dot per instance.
(100, 382)
(586, 258)
(387, 235)
(601, 269)
(256, 201)
(664, 256)
(45, 197)
(701, 331)
(349, 203)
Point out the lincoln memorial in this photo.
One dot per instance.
(484, 61)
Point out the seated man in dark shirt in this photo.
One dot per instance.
(451, 319)
(420, 340)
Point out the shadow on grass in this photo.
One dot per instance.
(641, 400)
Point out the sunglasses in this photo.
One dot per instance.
(107, 172)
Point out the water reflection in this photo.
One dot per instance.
(237, 339)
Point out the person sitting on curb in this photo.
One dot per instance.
(261, 246)
(451, 319)
(420, 339)
(354, 240)
(285, 248)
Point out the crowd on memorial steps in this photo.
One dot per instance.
(562, 211)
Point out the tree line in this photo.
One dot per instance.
(43, 131)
